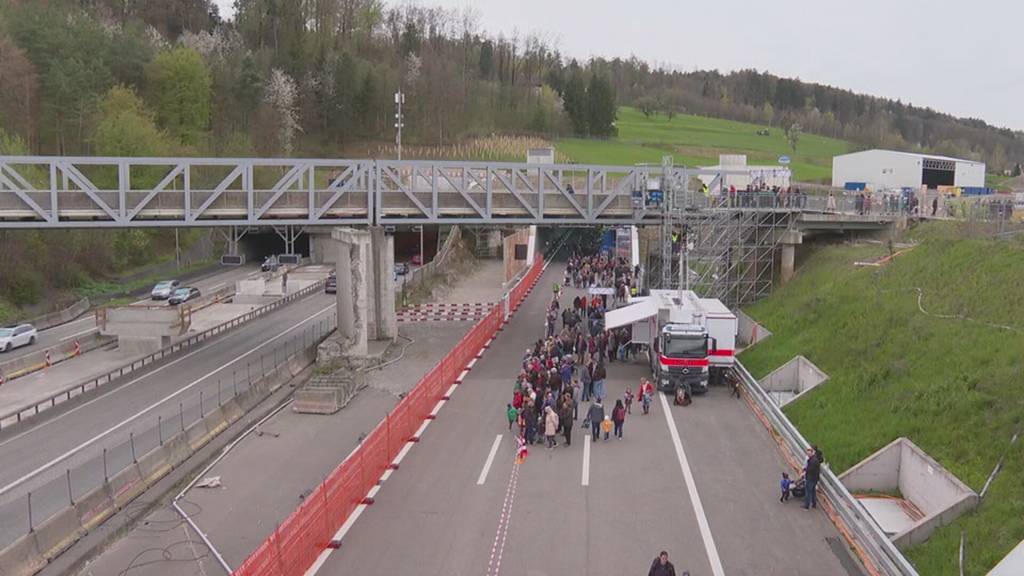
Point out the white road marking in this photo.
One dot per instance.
(490, 460)
(585, 480)
(76, 335)
(143, 412)
(691, 487)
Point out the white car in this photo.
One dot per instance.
(12, 337)
(163, 290)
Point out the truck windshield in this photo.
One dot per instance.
(683, 347)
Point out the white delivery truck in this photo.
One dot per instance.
(689, 340)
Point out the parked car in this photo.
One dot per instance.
(163, 290)
(331, 287)
(183, 295)
(401, 268)
(270, 264)
(12, 337)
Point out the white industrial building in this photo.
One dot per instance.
(888, 169)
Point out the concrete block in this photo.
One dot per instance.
(125, 486)
(144, 322)
(197, 435)
(21, 558)
(316, 402)
(232, 411)
(215, 422)
(178, 449)
(58, 533)
(94, 508)
(154, 465)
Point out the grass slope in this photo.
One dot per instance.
(952, 386)
(698, 140)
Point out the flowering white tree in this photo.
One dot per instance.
(281, 94)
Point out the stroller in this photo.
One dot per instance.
(799, 488)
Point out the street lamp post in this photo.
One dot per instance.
(399, 100)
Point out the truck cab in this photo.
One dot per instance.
(681, 358)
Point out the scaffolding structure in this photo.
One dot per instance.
(728, 252)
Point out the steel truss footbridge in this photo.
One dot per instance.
(109, 192)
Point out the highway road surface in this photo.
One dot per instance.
(700, 482)
(87, 323)
(36, 455)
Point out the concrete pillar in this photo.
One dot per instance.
(345, 309)
(788, 259)
(384, 262)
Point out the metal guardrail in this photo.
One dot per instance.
(76, 390)
(880, 551)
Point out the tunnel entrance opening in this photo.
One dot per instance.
(257, 245)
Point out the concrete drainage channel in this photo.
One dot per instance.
(149, 457)
(16, 416)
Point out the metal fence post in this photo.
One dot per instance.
(160, 429)
(131, 441)
(106, 476)
(181, 415)
(202, 412)
(219, 401)
(31, 527)
(248, 371)
(71, 495)
(263, 373)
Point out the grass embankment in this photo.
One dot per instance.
(952, 386)
(697, 140)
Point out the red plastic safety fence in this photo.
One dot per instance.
(300, 539)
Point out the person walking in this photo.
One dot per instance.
(618, 418)
(599, 376)
(565, 418)
(661, 566)
(512, 414)
(530, 421)
(550, 426)
(596, 417)
(812, 472)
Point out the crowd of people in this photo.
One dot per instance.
(567, 367)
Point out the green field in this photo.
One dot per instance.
(953, 386)
(697, 140)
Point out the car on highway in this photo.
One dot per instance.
(164, 289)
(331, 286)
(270, 264)
(183, 295)
(12, 337)
(401, 268)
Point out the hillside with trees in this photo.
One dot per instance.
(317, 78)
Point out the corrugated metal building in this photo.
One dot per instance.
(889, 169)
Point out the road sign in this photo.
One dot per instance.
(783, 160)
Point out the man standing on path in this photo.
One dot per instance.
(596, 416)
(661, 566)
(812, 471)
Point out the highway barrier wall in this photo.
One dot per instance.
(21, 414)
(59, 317)
(66, 350)
(293, 547)
(53, 516)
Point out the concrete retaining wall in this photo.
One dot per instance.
(144, 321)
(31, 552)
(37, 360)
(787, 382)
(750, 332)
(903, 466)
(59, 317)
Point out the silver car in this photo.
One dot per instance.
(12, 337)
(163, 290)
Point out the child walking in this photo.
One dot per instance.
(646, 395)
(629, 400)
(785, 484)
(606, 425)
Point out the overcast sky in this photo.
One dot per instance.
(963, 58)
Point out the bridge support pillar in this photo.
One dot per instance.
(366, 288)
(788, 242)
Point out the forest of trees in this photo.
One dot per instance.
(317, 78)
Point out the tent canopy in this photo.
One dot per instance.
(627, 315)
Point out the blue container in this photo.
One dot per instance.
(855, 186)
